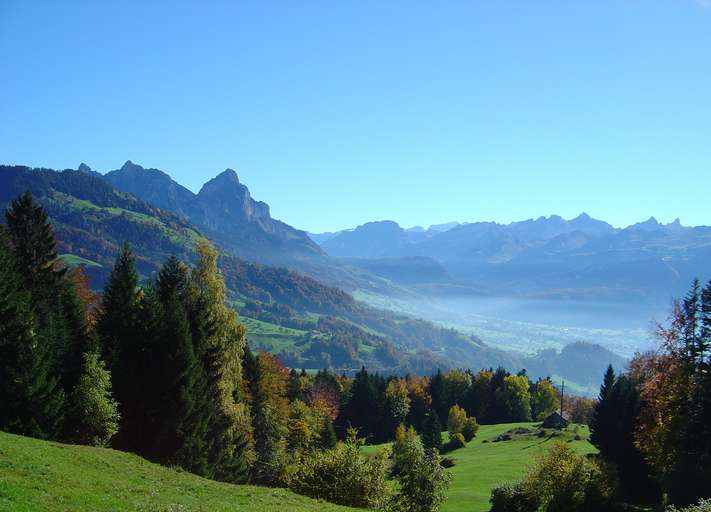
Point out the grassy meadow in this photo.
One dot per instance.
(483, 464)
(39, 475)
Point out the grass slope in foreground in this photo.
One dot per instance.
(39, 475)
(482, 466)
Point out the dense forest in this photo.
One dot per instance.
(162, 368)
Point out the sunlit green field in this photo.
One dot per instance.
(481, 466)
(43, 476)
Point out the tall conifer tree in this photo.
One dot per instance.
(31, 399)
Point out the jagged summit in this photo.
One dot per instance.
(223, 208)
(83, 167)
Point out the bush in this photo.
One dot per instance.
(422, 481)
(93, 411)
(471, 427)
(455, 442)
(560, 481)
(343, 475)
(702, 506)
(403, 439)
(447, 462)
(456, 420)
(513, 498)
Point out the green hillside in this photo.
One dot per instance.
(39, 475)
(482, 465)
(485, 463)
(322, 326)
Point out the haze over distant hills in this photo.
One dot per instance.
(581, 257)
(527, 286)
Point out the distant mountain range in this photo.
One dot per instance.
(547, 256)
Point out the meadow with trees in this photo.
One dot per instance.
(159, 367)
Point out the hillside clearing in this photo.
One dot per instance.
(483, 464)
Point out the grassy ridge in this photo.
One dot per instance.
(39, 475)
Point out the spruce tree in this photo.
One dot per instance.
(124, 345)
(327, 437)
(35, 248)
(177, 389)
(604, 415)
(60, 318)
(613, 426)
(438, 392)
(432, 431)
(31, 399)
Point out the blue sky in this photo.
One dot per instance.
(337, 113)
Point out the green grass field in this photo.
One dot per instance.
(44, 476)
(73, 261)
(271, 337)
(481, 466)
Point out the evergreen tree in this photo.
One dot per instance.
(177, 393)
(438, 392)
(612, 431)
(35, 248)
(220, 345)
(327, 437)
(125, 344)
(363, 409)
(603, 416)
(432, 431)
(59, 317)
(31, 399)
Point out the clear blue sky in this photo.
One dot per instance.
(336, 113)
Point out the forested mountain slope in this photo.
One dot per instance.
(306, 323)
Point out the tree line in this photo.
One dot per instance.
(653, 422)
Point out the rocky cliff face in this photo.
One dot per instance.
(224, 209)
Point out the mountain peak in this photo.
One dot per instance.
(651, 224)
(130, 166)
(227, 175)
(83, 167)
(583, 216)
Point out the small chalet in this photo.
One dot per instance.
(555, 420)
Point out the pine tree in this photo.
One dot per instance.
(603, 416)
(704, 342)
(691, 307)
(31, 399)
(612, 430)
(60, 318)
(432, 431)
(327, 437)
(124, 344)
(176, 394)
(438, 392)
(35, 248)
